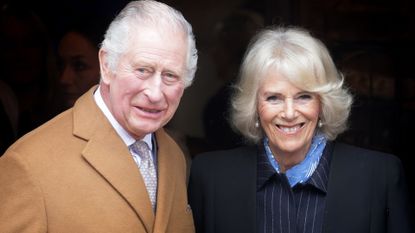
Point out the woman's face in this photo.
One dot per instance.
(288, 115)
(79, 66)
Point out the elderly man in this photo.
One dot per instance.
(106, 165)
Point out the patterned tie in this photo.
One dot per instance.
(147, 169)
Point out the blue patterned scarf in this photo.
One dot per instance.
(301, 172)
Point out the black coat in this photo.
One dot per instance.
(366, 192)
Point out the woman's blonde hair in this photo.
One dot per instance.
(306, 63)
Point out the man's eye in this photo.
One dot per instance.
(170, 78)
(142, 70)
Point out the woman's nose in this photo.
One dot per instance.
(289, 111)
(67, 76)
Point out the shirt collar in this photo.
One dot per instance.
(125, 136)
(301, 172)
(318, 179)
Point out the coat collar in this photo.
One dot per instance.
(108, 155)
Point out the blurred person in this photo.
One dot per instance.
(291, 103)
(27, 63)
(233, 35)
(107, 165)
(78, 59)
(371, 76)
(8, 117)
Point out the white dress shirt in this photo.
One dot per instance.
(125, 136)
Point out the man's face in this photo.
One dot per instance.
(144, 90)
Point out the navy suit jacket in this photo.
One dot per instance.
(366, 192)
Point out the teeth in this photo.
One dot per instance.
(149, 110)
(152, 111)
(290, 129)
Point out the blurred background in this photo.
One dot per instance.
(371, 41)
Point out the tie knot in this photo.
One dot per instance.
(142, 149)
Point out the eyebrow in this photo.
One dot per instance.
(280, 94)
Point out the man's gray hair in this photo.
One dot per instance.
(148, 13)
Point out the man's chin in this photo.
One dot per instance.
(143, 129)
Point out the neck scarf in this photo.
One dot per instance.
(301, 172)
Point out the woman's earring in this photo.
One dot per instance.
(256, 124)
(320, 124)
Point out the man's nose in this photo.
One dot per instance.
(153, 89)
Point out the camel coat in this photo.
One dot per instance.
(75, 174)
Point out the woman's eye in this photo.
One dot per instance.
(79, 66)
(272, 98)
(305, 97)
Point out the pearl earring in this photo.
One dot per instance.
(256, 124)
(320, 124)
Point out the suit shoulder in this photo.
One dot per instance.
(359, 152)
(223, 159)
(224, 155)
(46, 135)
(353, 155)
(225, 166)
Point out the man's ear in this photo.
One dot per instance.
(104, 66)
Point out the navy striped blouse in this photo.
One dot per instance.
(283, 209)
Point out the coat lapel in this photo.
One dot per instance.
(113, 161)
(109, 156)
(167, 156)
